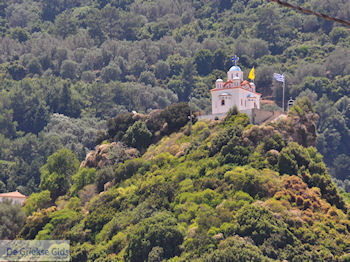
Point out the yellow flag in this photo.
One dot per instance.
(252, 74)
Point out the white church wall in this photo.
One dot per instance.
(231, 93)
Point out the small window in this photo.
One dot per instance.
(241, 102)
(223, 102)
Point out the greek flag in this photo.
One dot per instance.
(278, 77)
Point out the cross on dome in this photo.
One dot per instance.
(235, 59)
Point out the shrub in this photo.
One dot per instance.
(235, 249)
(138, 136)
(12, 220)
(260, 225)
(37, 201)
(56, 173)
(159, 230)
(83, 177)
(129, 168)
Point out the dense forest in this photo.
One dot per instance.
(95, 97)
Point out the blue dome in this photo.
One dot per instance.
(235, 68)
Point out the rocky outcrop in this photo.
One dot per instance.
(109, 154)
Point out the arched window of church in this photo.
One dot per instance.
(223, 102)
(241, 102)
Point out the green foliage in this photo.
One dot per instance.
(130, 168)
(235, 249)
(208, 197)
(255, 183)
(60, 222)
(83, 177)
(176, 116)
(293, 158)
(37, 201)
(138, 136)
(12, 220)
(157, 231)
(259, 224)
(203, 61)
(56, 173)
(101, 210)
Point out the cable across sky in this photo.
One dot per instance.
(308, 11)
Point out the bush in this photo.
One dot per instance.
(37, 201)
(56, 173)
(82, 178)
(260, 225)
(160, 231)
(176, 116)
(129, 168)
(138, 136)
(12, 220)
(235, 249)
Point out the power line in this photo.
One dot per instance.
(308, 11)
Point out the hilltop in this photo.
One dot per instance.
(217, 191)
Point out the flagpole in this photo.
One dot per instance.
(284, 88)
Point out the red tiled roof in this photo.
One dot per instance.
(13, 195)
(220, 89)
(228, 82)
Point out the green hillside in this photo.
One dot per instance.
(217, 191)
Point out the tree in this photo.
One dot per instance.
(235, 249)
(162, 69)
(148, 78)
(12, 220)
(110, 73)
(19, 34)
(30, 110)
(203, 60)
(16, 71)
(342, 167)
(338, 33)
(176, 116)
(293, 158)
(37, 201)
(159, 231)
(34, 67)
(66, 24)
(82, 178)
(69, 69)
(259, 224)
(219, 59)
(56, 173)
(138, 136)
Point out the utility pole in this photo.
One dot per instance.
(190, 117)
(284, 89)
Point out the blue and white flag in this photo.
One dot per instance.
(278, 77)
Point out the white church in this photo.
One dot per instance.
(234, 92)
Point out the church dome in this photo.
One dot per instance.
(219, 80)
(235, 68)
